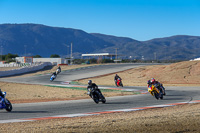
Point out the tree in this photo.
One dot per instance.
(10, 56)
(37, 56)
(54, 56)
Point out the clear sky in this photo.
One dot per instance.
(138, 19)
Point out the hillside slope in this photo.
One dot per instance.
(182, 73)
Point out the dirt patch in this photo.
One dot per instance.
(182, 118)
(178, 74)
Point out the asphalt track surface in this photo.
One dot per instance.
(48, 109)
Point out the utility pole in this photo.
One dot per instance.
(71, 54)
(68, 51)
(1, 52)
(116, 54)
(25, 50)
(155, 56)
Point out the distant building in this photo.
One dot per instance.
(100, 55)
(103, 55)
(53, 61)
(24, 59)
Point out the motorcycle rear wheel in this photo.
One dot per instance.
(161, 97)
(156, 95)
(96, 99)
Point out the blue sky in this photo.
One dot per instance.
(138, 19)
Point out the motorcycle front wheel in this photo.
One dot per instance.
(8, 106)
(121, 84)
(104, 101)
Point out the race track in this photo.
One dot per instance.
(47, 109)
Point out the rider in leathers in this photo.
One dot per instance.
(93, 85)
(1, 94)
(59, 69)
(3, 97)
(158, 85)
(115, 78)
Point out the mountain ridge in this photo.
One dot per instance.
(37, 39)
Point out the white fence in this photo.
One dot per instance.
(24, 69)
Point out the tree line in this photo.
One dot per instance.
(11, 57)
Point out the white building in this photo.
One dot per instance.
(53, 61)
(24, 59)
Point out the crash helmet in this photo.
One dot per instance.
(153, 80)
(89, 82)
(148, 82)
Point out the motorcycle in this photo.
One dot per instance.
(52, 77)
(5, 103)
(96, 95)
(154, 91)
(119, 82)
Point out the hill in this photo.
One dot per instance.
(32, 39)
(180, 47)
(36, 39)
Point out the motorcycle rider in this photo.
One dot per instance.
(118, 82)
(3, 97)
(116, 78)
(158, 85)
(149, 83)
(94, 86)
(1, 94)
(59, 69)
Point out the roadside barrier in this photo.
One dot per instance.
(24, 69)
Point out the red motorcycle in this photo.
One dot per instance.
(119, 82)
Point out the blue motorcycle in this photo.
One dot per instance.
(52, 77)
(5, 103)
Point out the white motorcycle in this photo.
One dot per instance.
(52, 77)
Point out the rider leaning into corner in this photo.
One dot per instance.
(1, 94)
(3, 97)
(157, 84)
(93, 85)
(115, 78)
(59, 68)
